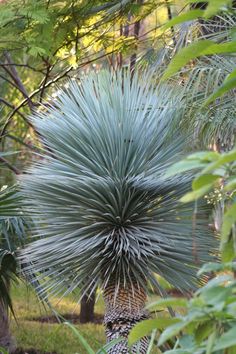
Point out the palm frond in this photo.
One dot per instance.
(100, 200)
(13, 231)
(8, 268)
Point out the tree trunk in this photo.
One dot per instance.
(87, 308)
(6, 340)
(124, 308)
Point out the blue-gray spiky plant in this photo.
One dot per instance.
(104, 211)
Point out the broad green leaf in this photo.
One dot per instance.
(203, 330)
(195, 50)
(224, 88)
(191, 196)
(204, 156)
(224, 159)
(230, 185)
(172, 301)
(204, 180)
(228, 251)
(145, 327)
(187, 16)
(227, 340)
(227, 85)
(228, 221)
(183, 166)
(210, 342)
(216, 267)
(219, 280)
(215, 295)
(215, 6)
(171, 331)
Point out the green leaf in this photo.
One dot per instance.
(216, 267)
(145, 327)
(228, 221)
(35, 51)
(215, 295)
(224, 88)
(189, 197)
(227, 340)
(215, 6)
(204, 156)
(224, 159)
(172, 331)
(231, 185)
(210, 342)
(187, 16)
(228, 251)
(183, 166)
(195, 50)
(204, 330)
(167, 302)
(204, 180)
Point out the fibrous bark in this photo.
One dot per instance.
(124, 308)
(6, 340)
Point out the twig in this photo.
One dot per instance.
(136, 35)
(14, 75)
(43, 85)
(27, 66)
(11, 115)
(31, 147)
(10, 166)
(18, 112)
(170, 18)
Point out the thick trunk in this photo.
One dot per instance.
(6, 340)
(124, 308)
(87, 308)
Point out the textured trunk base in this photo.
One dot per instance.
(6, 340)
(124, 308)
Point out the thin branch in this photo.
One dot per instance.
(136, 35)
(29, 146)
(170, 18)
(49, 83)
(14, 75)
(27, 66)
(43, 85)
(9, 81)
(10, 166)
(11, 115)
(8, 104)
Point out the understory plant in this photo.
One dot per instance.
(13, 228)
(209, 325)
(104, 211)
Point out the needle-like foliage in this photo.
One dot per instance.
(102, 205)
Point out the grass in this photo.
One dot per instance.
(30, 333)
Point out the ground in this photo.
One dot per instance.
(33, 328)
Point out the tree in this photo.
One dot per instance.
(46, 42)
(104, 210)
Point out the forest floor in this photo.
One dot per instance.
(37, 332)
